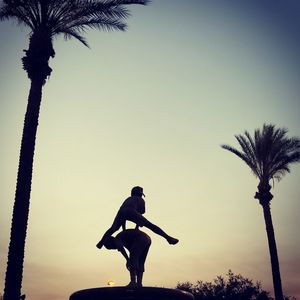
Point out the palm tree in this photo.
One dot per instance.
(46, 19)
(269, 155)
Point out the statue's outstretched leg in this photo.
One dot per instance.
(141, 221)
(171, 240)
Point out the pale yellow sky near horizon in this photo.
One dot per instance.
(151, 107)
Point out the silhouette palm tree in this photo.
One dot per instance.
(46, 19)
(269, 155)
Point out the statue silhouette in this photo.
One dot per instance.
(137, 243)
(132, 210)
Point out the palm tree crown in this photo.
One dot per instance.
(269, 153)
(70, 18)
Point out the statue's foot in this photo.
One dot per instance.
(100, 244)
(132, 284)
(172, 241)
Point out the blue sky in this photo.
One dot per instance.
(151, 107)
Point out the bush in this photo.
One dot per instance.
(233, 287)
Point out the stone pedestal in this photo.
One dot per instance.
(128, 293)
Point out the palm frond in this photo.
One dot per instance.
(244, 157)
(80, 15)
(288, 154)
(100, 9)
(18, 14)
(248, 150)
(126, 2)
(69, 33)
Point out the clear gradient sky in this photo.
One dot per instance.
(151, 107)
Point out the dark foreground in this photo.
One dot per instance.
(128, 293)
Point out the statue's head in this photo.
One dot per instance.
(137, 191)
(110, 243)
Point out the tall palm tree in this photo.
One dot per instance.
(269, 155)
(45, 20)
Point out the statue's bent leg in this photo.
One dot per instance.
(114, 227)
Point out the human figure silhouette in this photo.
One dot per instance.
(137, 243)
(132, 210)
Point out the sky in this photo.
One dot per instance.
(151, 107)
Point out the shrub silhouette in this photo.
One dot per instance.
(232, 287)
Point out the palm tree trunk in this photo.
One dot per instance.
(273, 252)
(14, 271)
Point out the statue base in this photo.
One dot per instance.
(129, 293)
